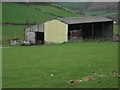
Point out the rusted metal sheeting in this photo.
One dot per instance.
(78, 20)
(35, 28)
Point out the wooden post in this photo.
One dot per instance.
(92, 31)
(103, 31)
(81, 30)
(71, 33)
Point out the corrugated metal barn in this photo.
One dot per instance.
(35, 34)
(67, 29)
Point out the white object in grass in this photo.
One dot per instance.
(51, 75)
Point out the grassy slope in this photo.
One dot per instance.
(85, 6)
(32, 66)
(11, 32)
(100, 13)
(75, 5)
(0, 11)
(18, 13)
(13, 12)
(0, 22)
(57, 11)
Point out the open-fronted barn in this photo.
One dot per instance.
(67, 29)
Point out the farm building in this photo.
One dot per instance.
(67, 29)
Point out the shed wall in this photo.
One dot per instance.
(108, 29)
(30, 36)
(55, 31)
(37, 28)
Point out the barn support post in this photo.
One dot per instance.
(81, 31)
(113, 28)
(103, 30)
(71, 34)
(25, 38)
(30, 29)
(92, 31)
(81, 27)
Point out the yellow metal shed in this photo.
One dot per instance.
(55, 31)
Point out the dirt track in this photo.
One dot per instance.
(5, 47)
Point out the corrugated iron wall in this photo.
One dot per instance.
(29, 36)
(30, 32)
(55, 31)
(108, 29)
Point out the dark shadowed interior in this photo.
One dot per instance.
(39, 37)
(91, 30)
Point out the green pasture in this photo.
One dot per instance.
(116, 29)
(19, 13)
(56, 11)
(76, 6)
(52, 66)
(100, 13)
(12, 32)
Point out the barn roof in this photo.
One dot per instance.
(77, 20)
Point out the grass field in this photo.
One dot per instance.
(116, 30)
(100, 13)
(51, 66)
(75, 5)
(0, 21)
(19, 13)
(56, 11)
(12, 32)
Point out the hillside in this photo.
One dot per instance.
(107, 9)
(0, 21)
(74, 5)
(21, 13)
(85, 6)
(103, 6)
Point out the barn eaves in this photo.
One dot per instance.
(78, 20)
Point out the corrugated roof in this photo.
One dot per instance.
(77, 20)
